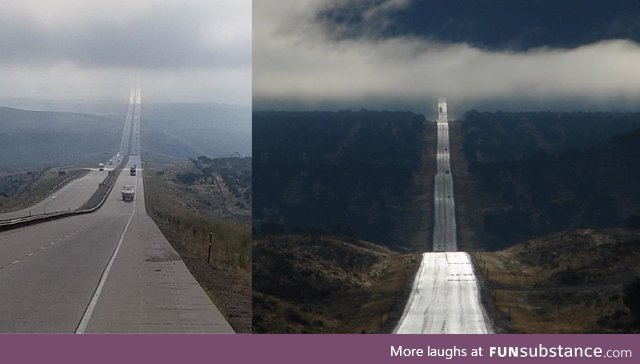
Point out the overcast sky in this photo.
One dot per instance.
(179, 50)
(328, 54)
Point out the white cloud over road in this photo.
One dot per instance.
(298, 63)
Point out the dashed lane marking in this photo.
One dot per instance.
(37, 250)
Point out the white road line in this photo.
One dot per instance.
(86, 317)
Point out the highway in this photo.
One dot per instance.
(444, 229)
(69, 197)
(445, 297)
(75, 193)
(109, 271)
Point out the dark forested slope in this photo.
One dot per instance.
(353, 173)
(536, 173)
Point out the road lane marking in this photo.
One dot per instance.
(86, 317)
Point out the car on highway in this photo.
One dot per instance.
(100, 166)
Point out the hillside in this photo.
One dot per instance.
(523, 175)
(24, 189)
(219, 187)
(328, 284)
(365, 174)
(207, 201)
(34, 139)
(577, 281)
(180, 131)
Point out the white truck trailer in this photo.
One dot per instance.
(128, 193)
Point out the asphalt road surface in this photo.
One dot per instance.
(109, 271)
(445, 298)
(444, 230)
(75, 193)
(68, 198)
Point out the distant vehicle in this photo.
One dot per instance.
(110, 162)
(447, 172)
(132, 170)
(128, 193)
(101, 166)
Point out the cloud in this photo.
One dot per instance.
(64, 43)
(298, 63)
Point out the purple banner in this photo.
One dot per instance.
(317, 349)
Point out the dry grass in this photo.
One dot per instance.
(323, 284)
(565, 283)
(192, 230)
(226, 277)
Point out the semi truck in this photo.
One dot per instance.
(128, 193)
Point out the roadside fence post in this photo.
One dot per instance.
(209, 255)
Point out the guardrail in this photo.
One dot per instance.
(62, 183)
(67, 180)
(101, 194)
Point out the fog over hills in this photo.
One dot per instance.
(34, 139)
(190, 130)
